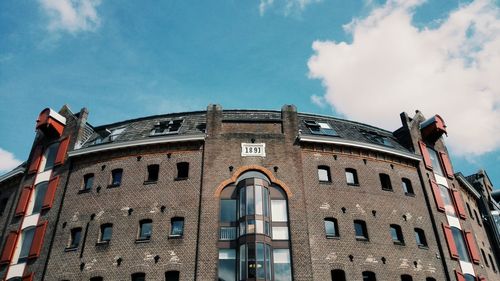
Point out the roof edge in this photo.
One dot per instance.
(467, 184)
(13, 173)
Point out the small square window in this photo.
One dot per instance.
(324, 174)
(351, 176)
(145, 230)
(177, 227)
(139, 276)
(153, 173)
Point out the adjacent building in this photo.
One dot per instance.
(244, 195)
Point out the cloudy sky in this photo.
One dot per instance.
(365, 60)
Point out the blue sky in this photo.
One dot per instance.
(357, 59)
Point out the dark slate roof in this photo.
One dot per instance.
(194, 123)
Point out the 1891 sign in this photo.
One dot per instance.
(253, 149)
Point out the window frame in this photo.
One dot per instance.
(86, 178)
(420, 234)
(407, 187)
(102, 228)
(114, 183)
(142, 235)
(354, 174)
(328, 174)
(71, 245)
(182, 166)
(364, 228)
(385, 182)
(172, 228)
(150, 170)
(336, 233)
(397, 230)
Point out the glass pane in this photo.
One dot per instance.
(242, 228)
(89, 181)
(146, 230)
(250, 201)
(329, 228)
(27, 238)
(448, 205)
(460, 244)
(268, 262)
(242, 202)
(258, 200)
(251, 226)
(267, 229)
(278, 210)
(260, 261)
(350, 177)
(177, 227)
(359, 229)
(266, 202)
(252, 271)
(117, 177)
(75, 237)
(227, 210)
(436, 166)
(107, 231)
(280, 233)
(323, 174)
(227, 264)
(260, 226)
(243, 274)
(50, 156)
(282, 267)
(40, 190)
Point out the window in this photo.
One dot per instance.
(40, 191)
(469, 277)
(369, 276)
(115, 134)
(430, 279)
(436, 165)
(331, 228)
(50, 156)
(407, 187)
(469, 210)
(397, 234)
(27, 239)
(324, 174)
(227, 264)
(280, 233)
(75, 236)
(376, 137)
(351, 176)
(145, 230)
(406, 277)
(485, 259)
(278, 211)
(182, 170)
(492, 263)
(167, 127)
(153, 172)
(97, 278)
(138, 276)
(106, 233)
(116, 177)
(477, 218)
(228, 210)
(282, 266)
(177, 227)
(360, 230)
(88, 181)
(448, 204)
(385, 182)
(460, 244)
(420, 238)
(172, 276)
(338, 275)
(320, 128)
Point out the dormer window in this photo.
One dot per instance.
(115, 133)
(167, 127)
(320, 128)
(108, 135)
(376, 137)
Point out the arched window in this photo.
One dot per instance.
(27, 239)
(406, 277)
(351, 176)
(469, 277)
(97, 278)
(331, 228)
(50, 156)
(369, 276)
(420, 237)
(407, 187)
(138, 276)
(385, 182)
(40, 190)
(361, 232)
(172, 276)
(254, 216)
(397, 234)
(430, 279)
(338, 275)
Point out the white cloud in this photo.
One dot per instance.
(393, 66)
(319, 101)
(72, 15)
(288, 6)
(7, 161)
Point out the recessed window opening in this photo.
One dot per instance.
(430, 279)
(50, 156)
(406, 277)
(167, 127)
(138, 276)
(320, 128)
(436, 164)
(145, 230)
(331, 228)
(385, 182)
(351, 176)
(153, 172)
(97, 278)
(469, 210)
(324, 174)
(492, 263)
(182, 170)
(484, 258)
(88, 181)
(26, 240)
(106, 233)
(369, 276)
(460, 244)
(338, 275)
(172, 276)
(116, 177)
(397, 234)
(177, 227)
(477, 218)
(407, 187)
(420, 237)
(361, 233)
(75, 237)
(40, 191)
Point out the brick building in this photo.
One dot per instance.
(243, 195)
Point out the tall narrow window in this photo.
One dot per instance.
(448, 204)
(227, 264)
(460, 244)
(436, 164)
(50, 156)
(420, 237)
(282, 265)
(331, 228)
(88, 181)
(406, 277)
(324, 174)
(172, 276)
(407, 187)
(116, 177)
(397, 234)
(469, 210)
(369, 276)
(338, 275)
(430, 279)
(26, 240)
(385, 182)
(177, 227)
(106, 233)
(278, 210)
(484, 258)
(153, 172)
(40, 191)
(97, 278)
(477, 218)
(492, 263)
(351, 176)
(138, 276)
(75, 237)
(360, 230)
(145, 230)
(182, 170)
